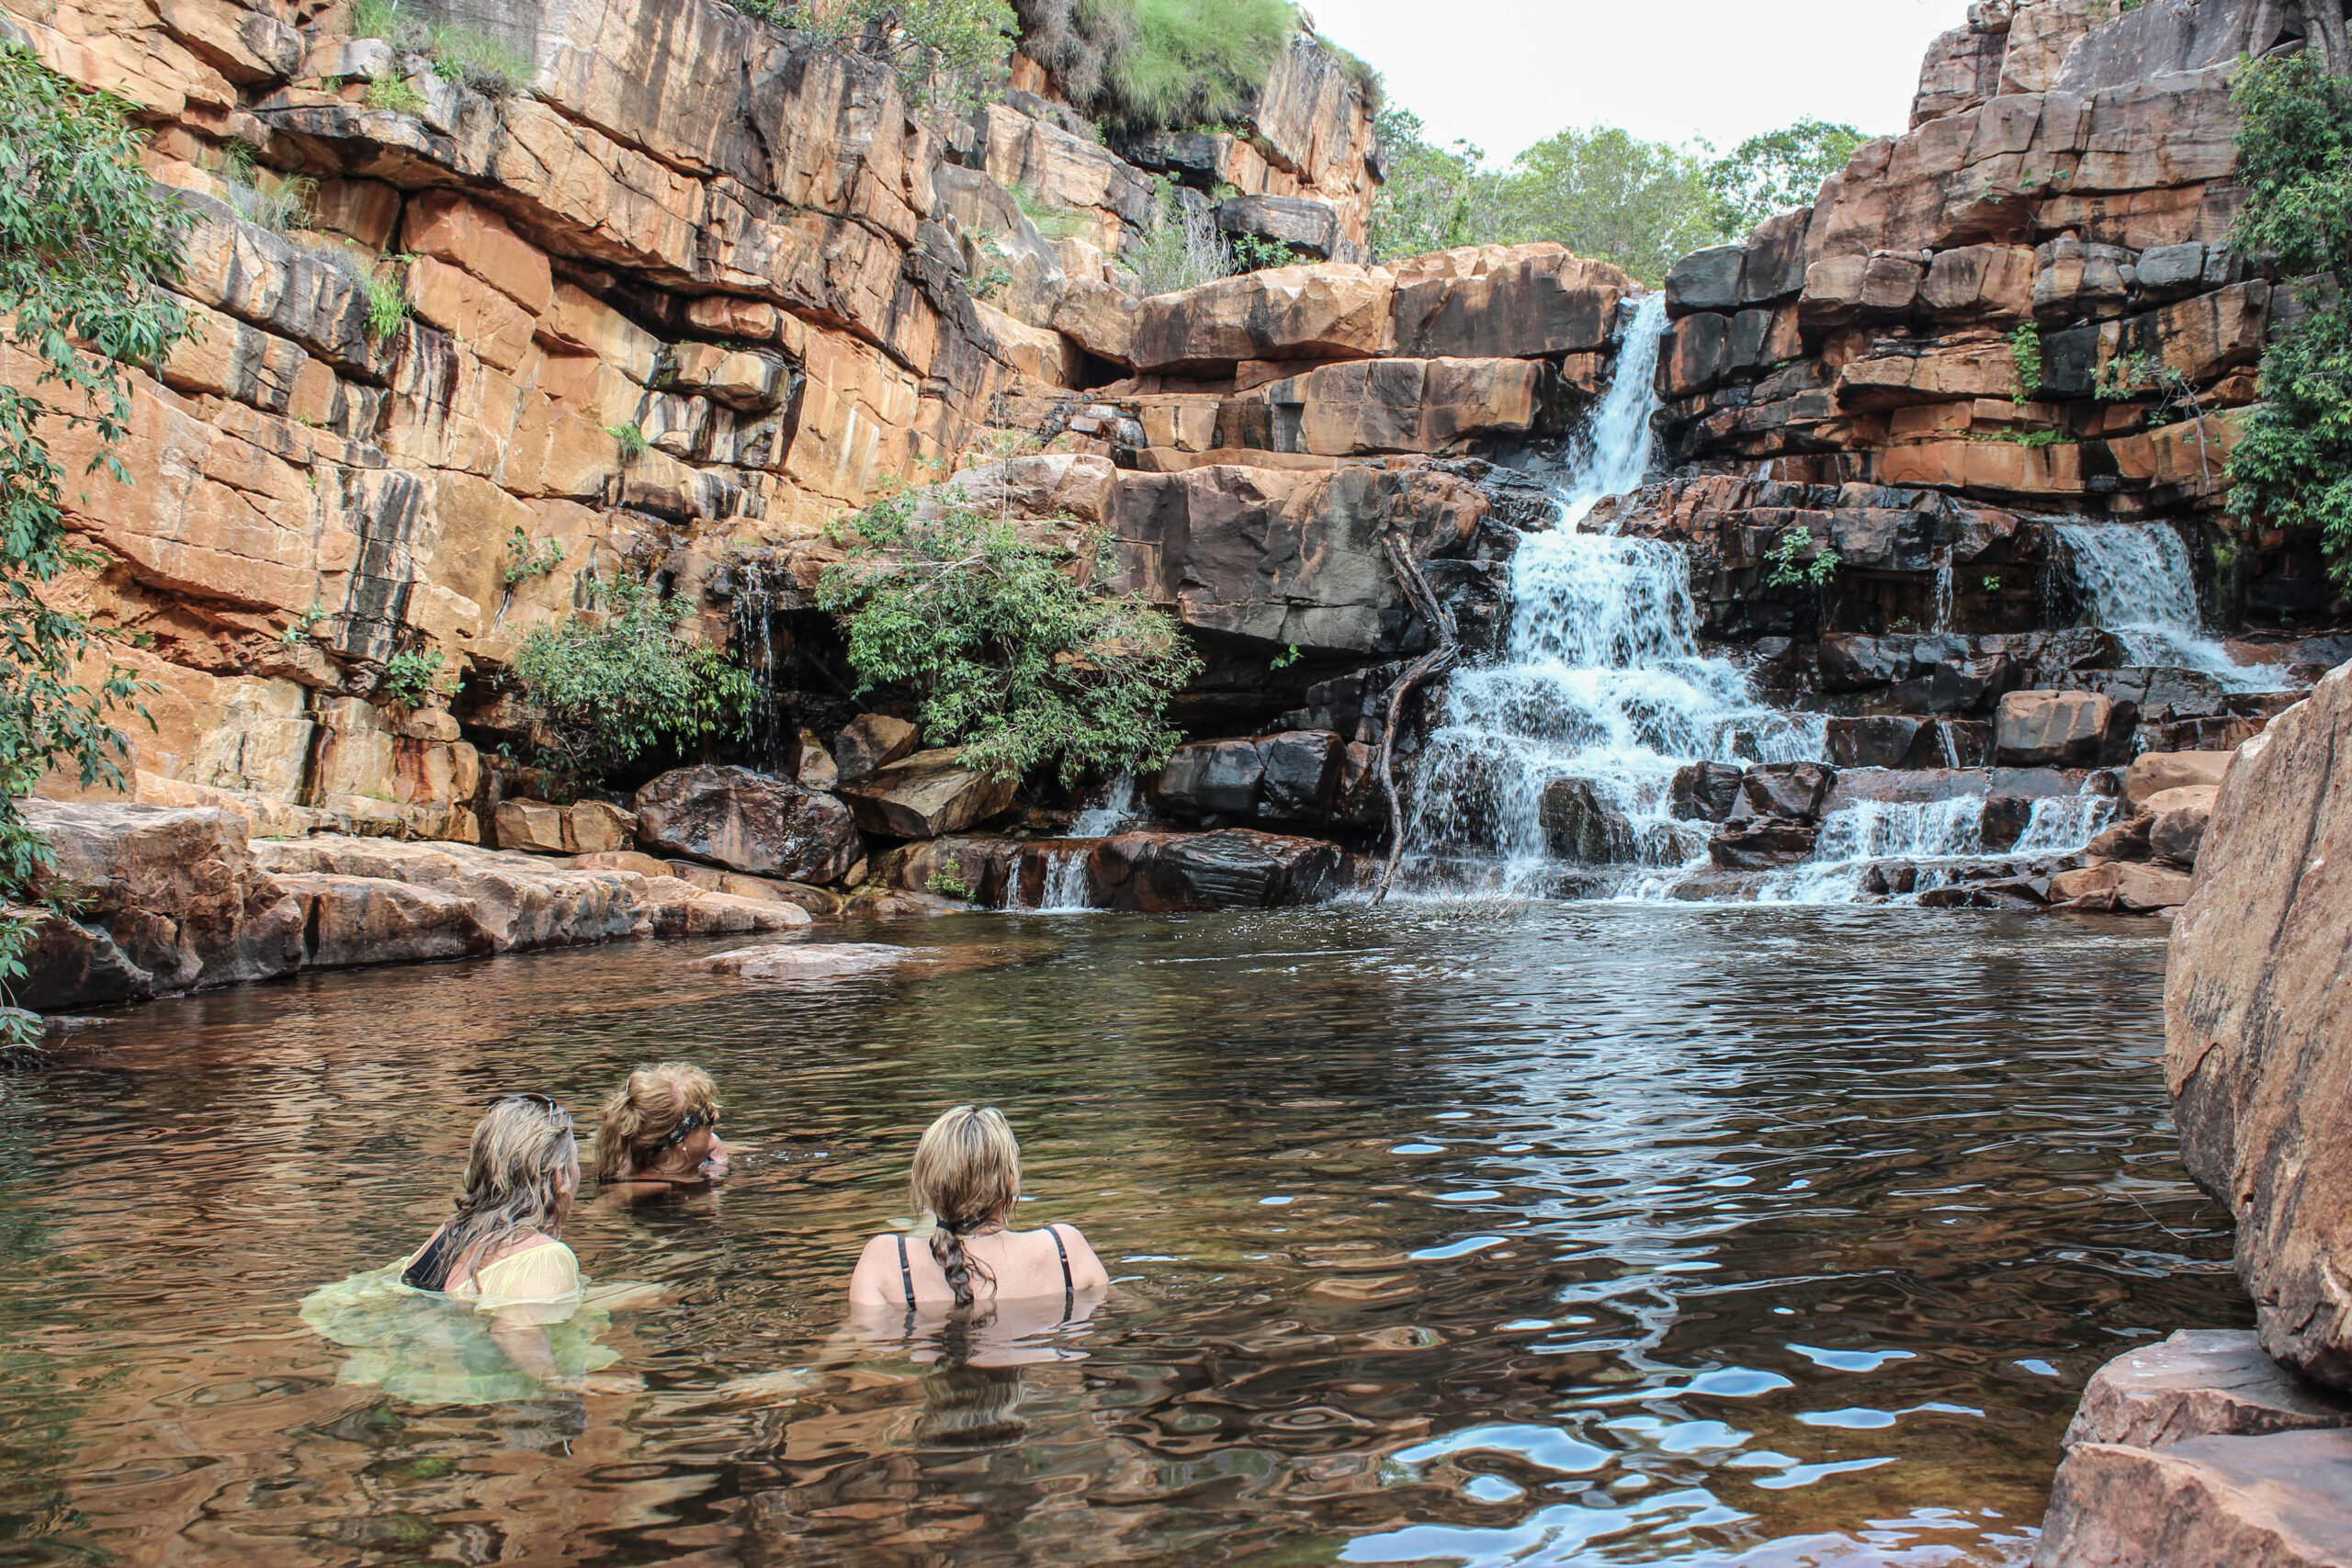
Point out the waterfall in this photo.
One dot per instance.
(2137, 579)
(1927, 841)
(1601, 681)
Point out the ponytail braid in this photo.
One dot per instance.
(947, 1249)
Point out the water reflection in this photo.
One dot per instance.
(1482, 1235)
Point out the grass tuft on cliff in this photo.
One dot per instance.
(1145, 65)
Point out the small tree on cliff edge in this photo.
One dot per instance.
(85, 237)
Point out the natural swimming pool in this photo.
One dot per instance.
(1447, 1233)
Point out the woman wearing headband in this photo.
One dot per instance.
(661, 1132)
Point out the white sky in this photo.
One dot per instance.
(1507, 73)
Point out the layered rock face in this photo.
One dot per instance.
(2254, 1006)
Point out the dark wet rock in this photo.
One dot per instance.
(1579, 825)
(1762, 844)
(1293, 776)
(1884, 741)
(1793, 790)
(926, 795)
(2256, 998)
(1705, 792)
(1233, 869)
(2127, 839)
(2177, 822)
(755, 823)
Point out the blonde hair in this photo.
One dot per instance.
(522, 1148)
(641, 1114)
(966, 1174)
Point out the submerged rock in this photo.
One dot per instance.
(810, 961)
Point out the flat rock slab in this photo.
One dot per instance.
(2200, 1383)
(2271, 1502)
(811, 961)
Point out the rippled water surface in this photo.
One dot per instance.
(1541, 1234)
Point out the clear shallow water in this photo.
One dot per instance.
(1520, 1234)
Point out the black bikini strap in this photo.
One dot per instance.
(1070, 1292)
(906, 1274)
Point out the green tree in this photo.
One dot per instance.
(1768, 174)
(2293, 465)
(1435, 198)
(1017, 650)
(84, 240)
(621, 682)
(943, 51)
(1608, 195)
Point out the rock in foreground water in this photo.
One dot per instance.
(2258, 1057)
(813, 961)
(2277, 1501)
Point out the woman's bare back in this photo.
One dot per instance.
(897, 1270)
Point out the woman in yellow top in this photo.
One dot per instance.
(499, 1259)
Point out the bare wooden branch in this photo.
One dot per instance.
(1435, 614)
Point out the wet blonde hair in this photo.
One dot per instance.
(640, 1115)
(522, 1148)
(966, 1174)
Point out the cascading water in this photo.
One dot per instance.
(1602, 681)
(1929, 841)
(2138, 581)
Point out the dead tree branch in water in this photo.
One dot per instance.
(1440, 620)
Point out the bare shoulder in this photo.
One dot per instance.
(1086, 1271)
(877, 1267)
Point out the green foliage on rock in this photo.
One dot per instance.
(2025, 353)
(1017, 650)
(1771, 174)
(1184, 248)
(1144, 65)
(85, 241)
(2292, 469)
(943, 51)
(621, 682)
(409, 677)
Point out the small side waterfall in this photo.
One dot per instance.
(1924, 842)
(2138, 581)
(1602, 681)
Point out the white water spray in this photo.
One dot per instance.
(1603, 680)
(2137, 578)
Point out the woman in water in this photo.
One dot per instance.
(965, 1181)
(499, 1254)
(661, 1132)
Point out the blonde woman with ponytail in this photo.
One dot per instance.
(661, 1132)
(967, 1179)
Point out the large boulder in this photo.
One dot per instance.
(1705, 792)
(872, 740)
(1580, 825)
(748, 822)
(2276, 1501)
(1291, 776)
(1328, 311)
(1524, 302)
(2200, 1383)
(524, 902)
(1235, 869)
(2177, 822)
(925, 795)
(2152, 773)
(173, 901)
(354, 920)
(2258, 1056)
(2061, 730)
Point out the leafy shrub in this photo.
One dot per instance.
(526, 560)
(85, 241)
(2292, 468)
(1789, 569)
(1012, 656)
(1768, 175)
(408, 677)
(943, 51)
(631, 440)
(2025, 351)
(620, 682)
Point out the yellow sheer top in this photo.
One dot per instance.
(538, 1283)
